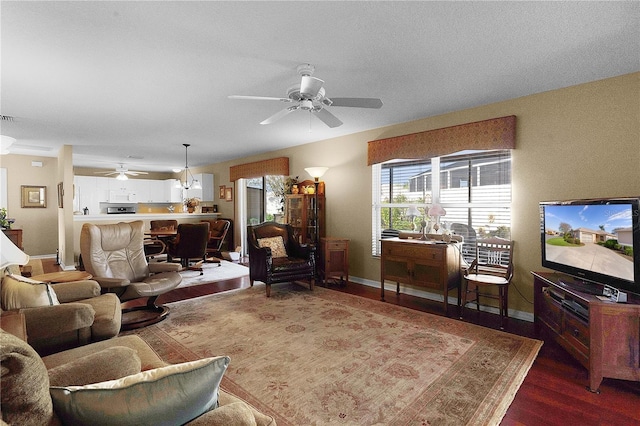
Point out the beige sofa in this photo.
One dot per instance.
(26, 380)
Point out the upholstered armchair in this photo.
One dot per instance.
(77, 315)
(276, 256)
(114, 255)
(218, 229)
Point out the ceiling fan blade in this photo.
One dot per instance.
(277, 116)
(133, 173)
(310, 86)
(106, 173)
(328, 118)
(356, 102)
(260, 98)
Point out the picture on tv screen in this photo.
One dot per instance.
(592, 237)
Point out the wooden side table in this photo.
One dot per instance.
(13, 322)
(63, 276)
(15, 235)
(334, 259)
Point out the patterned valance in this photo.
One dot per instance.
(272, 167)
(496, 133)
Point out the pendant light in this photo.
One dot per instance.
(188, 182)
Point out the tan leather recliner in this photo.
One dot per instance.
(114, 255)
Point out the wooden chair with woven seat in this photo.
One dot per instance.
(493, 266)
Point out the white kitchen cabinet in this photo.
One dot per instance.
(172, 193)
(206, 193)
(89, 193)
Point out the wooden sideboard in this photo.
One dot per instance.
(15, 235)
(422, 264)
(603, 336)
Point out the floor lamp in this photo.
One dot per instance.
(316, 173)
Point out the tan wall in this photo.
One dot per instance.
(40, 225)
(576, 142)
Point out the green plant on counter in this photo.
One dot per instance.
(4, 223)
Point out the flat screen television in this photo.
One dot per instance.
(594, 240)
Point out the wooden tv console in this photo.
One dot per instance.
(603, 336)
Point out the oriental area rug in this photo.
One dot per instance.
(326, 357)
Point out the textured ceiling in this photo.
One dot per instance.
(130, 82)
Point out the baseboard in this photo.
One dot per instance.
(412, 291)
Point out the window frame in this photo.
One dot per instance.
(436, 171)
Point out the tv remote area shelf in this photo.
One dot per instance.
(602, 335)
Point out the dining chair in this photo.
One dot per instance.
(492, 267)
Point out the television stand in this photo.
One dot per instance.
(603, 336)
(581, 286)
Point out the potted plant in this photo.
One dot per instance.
(4, 222)
(191, 204)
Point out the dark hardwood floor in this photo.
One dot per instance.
(554, 391)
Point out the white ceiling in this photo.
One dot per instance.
(130, 82)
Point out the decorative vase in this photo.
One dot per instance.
(294, 189)
(191, 209)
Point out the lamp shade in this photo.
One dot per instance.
(413, 211)
(316, 172)
(437, 210)
(10, 254)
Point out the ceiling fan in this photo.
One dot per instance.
(122, 172)
(309, 95)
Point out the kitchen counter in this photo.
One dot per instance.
(141, 216)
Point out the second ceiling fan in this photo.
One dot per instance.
(309, 95)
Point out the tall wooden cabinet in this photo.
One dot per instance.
(603, 336)
(300, 214)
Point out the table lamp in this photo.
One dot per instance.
(412, 213)
(10, 254)
(436, 211)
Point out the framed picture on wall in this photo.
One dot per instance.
(33, 196)
(228, 194)
(222, 193)
(60, 195)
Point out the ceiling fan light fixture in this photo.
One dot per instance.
(122, 176)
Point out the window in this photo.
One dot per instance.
(473, 187)
(265, 199)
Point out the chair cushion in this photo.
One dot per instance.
(107, 364)
(21, 292)
(168, 395)
(276, 244)
(290, 264)
(25, 384)
(236, 414)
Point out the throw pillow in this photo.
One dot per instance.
(276, 244)
(170, 395)
(22, 292)
(25, 396)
